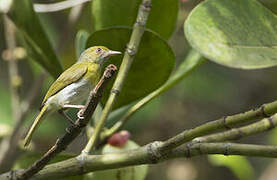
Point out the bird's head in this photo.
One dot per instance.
(97, 54)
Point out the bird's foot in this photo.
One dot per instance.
(80, 114)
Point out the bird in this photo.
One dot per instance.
(72, 87)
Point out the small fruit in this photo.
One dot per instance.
(117, 143)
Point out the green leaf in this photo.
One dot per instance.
(152, 65)
(236, 33)
(80, 42)
(238, 164)
(162, 17)
(36, 40)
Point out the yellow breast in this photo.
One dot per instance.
(93, 73)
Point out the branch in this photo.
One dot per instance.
(44, 8)
(73, 130)
(192, 61)
(226, 122)
(132, 47)
(237, 133)
(148, 154)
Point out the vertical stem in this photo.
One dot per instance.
(13, 68)
(11, 141)
(8, 147)
(192, 61)
(132, 47)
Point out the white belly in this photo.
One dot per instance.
(74, 93)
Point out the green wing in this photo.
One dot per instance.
(71, 75)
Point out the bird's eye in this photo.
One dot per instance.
(98, 50)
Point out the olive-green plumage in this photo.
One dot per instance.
(77, 71)
(73, 85)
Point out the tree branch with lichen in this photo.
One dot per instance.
(175, 147)
(148, 154)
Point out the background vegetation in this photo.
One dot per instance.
(211, 91)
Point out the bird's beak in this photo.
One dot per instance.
(112, 53)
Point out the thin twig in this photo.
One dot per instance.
(53, 7)
(237, 133)
(227, 123)
(192, 61)
(149, 154)
(132, 47)
(74, 130)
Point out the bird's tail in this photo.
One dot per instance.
(35, 125)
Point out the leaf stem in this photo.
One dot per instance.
(132, 47)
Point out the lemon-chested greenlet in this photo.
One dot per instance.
(73, 86)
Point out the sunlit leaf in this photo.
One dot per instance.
(239, 34)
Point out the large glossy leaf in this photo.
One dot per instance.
(152, 65)
(236, 33)
(36, 40)
(162, 17)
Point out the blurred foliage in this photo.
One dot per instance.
(5, 104)
(238, 164)
(36, 41)
(208, 93)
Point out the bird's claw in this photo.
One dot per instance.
(80, 114)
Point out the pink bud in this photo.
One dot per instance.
(119, 139)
